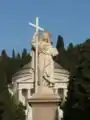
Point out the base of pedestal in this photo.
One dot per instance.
(44, 105)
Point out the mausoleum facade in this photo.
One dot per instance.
(22, 86)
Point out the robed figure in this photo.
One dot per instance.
(46, 52)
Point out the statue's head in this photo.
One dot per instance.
(45, 36)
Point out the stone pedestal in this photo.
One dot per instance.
(44, 104)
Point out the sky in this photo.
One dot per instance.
(68, 18)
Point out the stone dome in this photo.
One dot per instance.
(26, 71)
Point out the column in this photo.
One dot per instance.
(65, 93)
(29, 93)
(56, 91)
(20, 96)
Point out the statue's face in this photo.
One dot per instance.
(46, 37)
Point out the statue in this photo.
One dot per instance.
(46, 51)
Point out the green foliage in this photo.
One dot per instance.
(76, 58)
(62, 58)
(60, 44)
(78, 102)
(9, 110)
(25, 57)
(13, 54)
(20, 114)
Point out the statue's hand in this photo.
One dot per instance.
(35, 34)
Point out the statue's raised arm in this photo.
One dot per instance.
(34, 40)
(46, 52)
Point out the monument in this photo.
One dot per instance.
(31, 80)
(44, 102)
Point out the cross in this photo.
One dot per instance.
(36, 25)
(36, 52)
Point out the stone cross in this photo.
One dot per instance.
(36, 26)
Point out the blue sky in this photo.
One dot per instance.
(69, 18)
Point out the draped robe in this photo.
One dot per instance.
(45, 62)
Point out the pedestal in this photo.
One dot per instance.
(44, 104)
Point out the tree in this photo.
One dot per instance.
(70, 47)
(24, 53)
(3, 53)
(20, 112)
(18, 57)
(1, 111)
(13, 54)
(73, 53)
(78, 101)
(60, 44)
(25, 57)
(9, 110)
(61, 58)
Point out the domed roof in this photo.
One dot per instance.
(26, 70)
(56, 66)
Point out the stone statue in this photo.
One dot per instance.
(46, 51)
